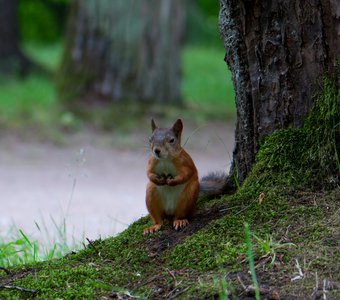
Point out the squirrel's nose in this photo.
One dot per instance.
(157, 151)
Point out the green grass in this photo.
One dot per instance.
(267, 247)
(18, 247)
(251, 261)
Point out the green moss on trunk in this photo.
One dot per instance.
(307, 156)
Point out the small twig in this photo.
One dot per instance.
(300, 273)
(251, 203)
(18, 288)
(91, 244)
(324, 290)
(250, 289)
(241, 282)
(5, 270)
(285, 237)
(333, 285)
(299, 268)
(127, 294)
(229, 208)
(145, 282)
(171, 273)
(263, 261)
(177, 294)
(315, 290)
(242, 210)
(325, 287)
(122, 295)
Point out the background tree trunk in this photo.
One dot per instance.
(123, 50)
(278, 52)
(11, 57)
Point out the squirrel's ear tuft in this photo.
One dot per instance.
(178, 127)
(153, 125)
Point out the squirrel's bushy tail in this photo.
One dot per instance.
(214, 184)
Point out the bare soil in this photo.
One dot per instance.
(95, 182)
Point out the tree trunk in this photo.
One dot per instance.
(278, 52)
(123, 50)
(11, 57)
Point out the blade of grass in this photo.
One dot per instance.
(25, 237)
(251, 261)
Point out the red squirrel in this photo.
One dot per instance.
(174, 187)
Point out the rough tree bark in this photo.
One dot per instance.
(278, 52)
(11, 56)
(123, 50)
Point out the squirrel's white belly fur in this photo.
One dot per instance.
(169, 194)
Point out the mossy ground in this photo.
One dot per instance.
(207, 257)
(291, 202)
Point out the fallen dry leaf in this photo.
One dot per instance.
(261, 197)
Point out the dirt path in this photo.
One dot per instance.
(95, 183)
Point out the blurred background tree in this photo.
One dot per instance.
(123, 50)
(12, 58)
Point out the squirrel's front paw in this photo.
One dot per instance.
(171, 181)
(160, 180)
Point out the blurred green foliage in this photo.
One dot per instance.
(24, 102)
(202, 23)
(32, 101)
(209, 7)
(46, 55)
(206, 80)
(42, 21)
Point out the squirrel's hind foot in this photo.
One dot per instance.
(152, 229)
(179, 224)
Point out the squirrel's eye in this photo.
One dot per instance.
(172, 141)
